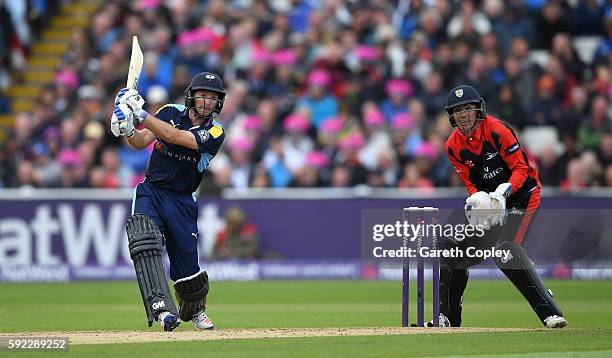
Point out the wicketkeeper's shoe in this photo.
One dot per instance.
(202, 322)
(443, 322)
(555, 322)
(169, 321)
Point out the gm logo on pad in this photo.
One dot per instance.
(158, 304)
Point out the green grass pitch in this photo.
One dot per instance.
(116, 306)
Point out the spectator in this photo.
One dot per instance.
(548, 167)
(434, 95)
(340, 177)
(118, 175)
(25, 174)
(514, 23)
(398, 91)
(508, 108)
(522, 82)
(241, 167)
(413, 177)
(477, 74)
(576, 178)
(348, 157)
(563, 49)
(260, 178)
(296, 144)
(596, 125)
(378, 141)
(468, 19)
(239, 240)
(5, 101)
(603, 51)
(546, 107)
(318, 101)
(586, 17)
(604, 152)
(608, 176)
(157, 96)
(552, 19)
(577, 111)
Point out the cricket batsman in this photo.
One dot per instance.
(488, 158)
(164, 207)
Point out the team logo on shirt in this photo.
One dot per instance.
(488, 174)
(491, 155)
(204, 135)
(515, 211)
(459, 93)
(161, 147)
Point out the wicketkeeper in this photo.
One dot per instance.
(164, 208)
(504, 197)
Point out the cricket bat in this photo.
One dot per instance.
(136, 61)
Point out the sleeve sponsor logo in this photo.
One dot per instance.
(215, 131)
(513, 148)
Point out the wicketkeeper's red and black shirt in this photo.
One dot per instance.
(491, 156)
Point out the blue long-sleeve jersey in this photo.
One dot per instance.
(179, 169)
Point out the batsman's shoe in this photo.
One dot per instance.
(169, 321)
(555, 322)
(202, 322)
(443, 322)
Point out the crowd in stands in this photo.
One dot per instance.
(329, 93)
(20, 24)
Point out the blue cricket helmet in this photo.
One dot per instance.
(205, 81)
(461, 95)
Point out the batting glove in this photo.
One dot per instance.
(134, 100)
(122, 124)
(120, 95)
